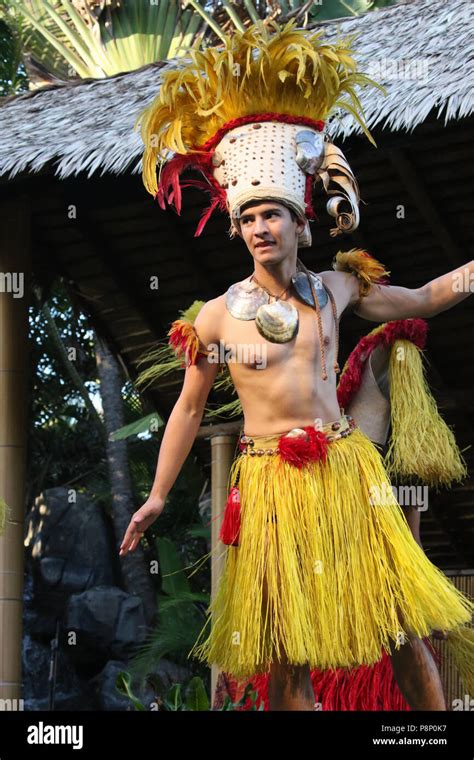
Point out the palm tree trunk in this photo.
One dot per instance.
(137, 579)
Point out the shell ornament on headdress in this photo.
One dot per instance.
(249, 115)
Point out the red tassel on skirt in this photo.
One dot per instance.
(230, 528)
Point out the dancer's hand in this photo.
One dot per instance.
(141, 520)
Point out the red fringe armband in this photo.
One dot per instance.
(185, 341)
(414, 330)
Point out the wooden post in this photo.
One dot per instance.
(222, 454)
(14, 301)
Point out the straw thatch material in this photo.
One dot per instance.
(88, 125)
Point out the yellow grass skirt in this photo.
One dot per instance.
(340, 565)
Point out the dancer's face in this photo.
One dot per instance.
(269, 231)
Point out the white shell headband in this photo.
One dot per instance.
(273, 160)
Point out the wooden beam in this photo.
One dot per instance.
(98, 242)
(86, 305)
(416, 188)
(220, 428)
(100, 246)
(15, 259)
(44, 248)
(222, 450)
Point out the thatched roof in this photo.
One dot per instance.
(88, 125)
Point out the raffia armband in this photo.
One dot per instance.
(363, 266)
(185, 342)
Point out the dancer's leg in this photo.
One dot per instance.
(413, 666)
(417, 675)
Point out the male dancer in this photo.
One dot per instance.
(325, 574)
(289, 393)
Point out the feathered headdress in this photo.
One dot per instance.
(249, 115)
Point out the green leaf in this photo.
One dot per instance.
(174, 581)
(142, 425)
(200, 531)
(169, 603)
(122, 684)
(196, 695)
(83, 39)
(227, 704)
(174, 698)
(68, 54)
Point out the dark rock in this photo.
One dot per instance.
(73, 580)
(106, 621)
(68, 548)
(71, 692)
(107, 695)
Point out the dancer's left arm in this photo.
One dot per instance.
(388, 302)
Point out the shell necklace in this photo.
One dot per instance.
(278, 321)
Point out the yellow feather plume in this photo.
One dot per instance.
(253, 72)
(367, 269)
(421, 444)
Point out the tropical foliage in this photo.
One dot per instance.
(48, 41)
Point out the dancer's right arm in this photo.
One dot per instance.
(180, 431)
